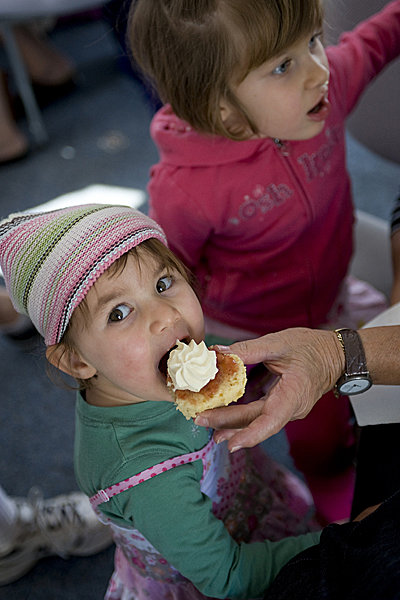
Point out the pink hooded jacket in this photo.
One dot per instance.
(267, 227)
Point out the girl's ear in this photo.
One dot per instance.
(226, 111)
(233, 121)
(69, 361)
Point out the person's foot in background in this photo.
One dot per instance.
(51, 74)
(45, 64)
(62, 526)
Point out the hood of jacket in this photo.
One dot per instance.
(179, 144)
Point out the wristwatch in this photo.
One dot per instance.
(356, 378)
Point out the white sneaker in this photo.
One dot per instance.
(65, 526)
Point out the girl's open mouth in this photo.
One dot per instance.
(321, 110)
(162, 365)
(316, 108)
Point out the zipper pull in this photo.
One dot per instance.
(282, 146)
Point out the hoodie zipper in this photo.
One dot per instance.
(282, 147)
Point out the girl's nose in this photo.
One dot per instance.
(317, 72)
(162, 316)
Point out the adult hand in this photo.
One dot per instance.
(308, 363)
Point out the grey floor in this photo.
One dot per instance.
(98, 135)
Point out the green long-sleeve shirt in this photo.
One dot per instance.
(170, 510)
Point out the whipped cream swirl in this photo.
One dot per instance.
(191, 366)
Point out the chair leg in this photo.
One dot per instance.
(23, 84)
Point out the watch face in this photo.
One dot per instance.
(355, 386)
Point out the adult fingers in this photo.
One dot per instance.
(250, 351)
(235, 416)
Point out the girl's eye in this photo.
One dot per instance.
(282, 68)
(314, 39)
(163, 284)
(119, 313)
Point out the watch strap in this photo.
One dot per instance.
(355, 361)
(356, 369)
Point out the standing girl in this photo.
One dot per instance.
(188, 518)
(252, 188)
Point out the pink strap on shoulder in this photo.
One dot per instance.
(106, 494)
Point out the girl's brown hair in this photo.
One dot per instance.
(192, 51)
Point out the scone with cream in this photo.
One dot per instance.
(201, 378)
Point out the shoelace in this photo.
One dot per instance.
(52, 518)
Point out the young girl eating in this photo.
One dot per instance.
(252, 189)
(189, 519)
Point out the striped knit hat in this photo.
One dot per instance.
(50, 260)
